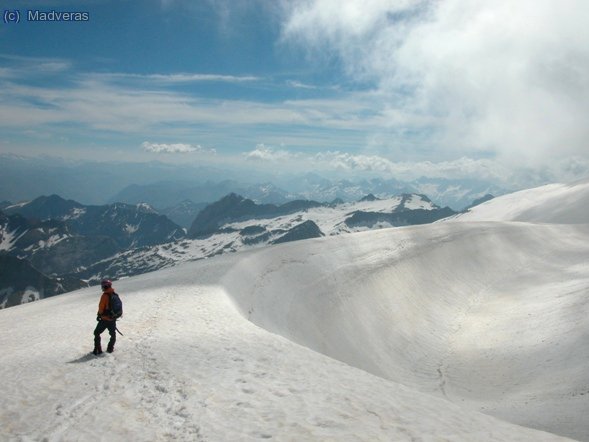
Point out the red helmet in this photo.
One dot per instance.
(106, 283)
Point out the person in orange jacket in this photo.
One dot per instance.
(105, 321)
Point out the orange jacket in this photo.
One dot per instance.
(103, 305)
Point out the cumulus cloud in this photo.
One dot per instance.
(460, 168)
(504, 78)
(172, 148)
(337, 161)
(263, 153)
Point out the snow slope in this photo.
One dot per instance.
(492, 315)
(397, 334)
(553, 203)
(191, 368)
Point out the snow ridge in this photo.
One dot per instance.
(553, 203)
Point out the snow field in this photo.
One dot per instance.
(191, 368)
(553, 203)
(490, 315)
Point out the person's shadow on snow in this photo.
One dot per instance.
(86, 358)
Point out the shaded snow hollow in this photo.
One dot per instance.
(398, 334)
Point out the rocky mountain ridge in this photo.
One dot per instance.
(20, 282)
(60, 238)
(53, 239)
(235, 223)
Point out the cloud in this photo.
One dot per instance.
(180, 77)
(358, 164)
(460, 168)
(129, 108)
(263, 153)
(172, 148)
(26, 67)
(505, 78)
(299, 85)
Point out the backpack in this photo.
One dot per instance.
(115, 306)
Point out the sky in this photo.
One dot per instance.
(398, 88)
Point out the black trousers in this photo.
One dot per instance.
(104, 325)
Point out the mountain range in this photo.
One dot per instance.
(59, 238)
(63, 238)
(235, 223)
(181, 201)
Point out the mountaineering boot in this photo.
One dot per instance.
(97, 350)
(110, 348)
